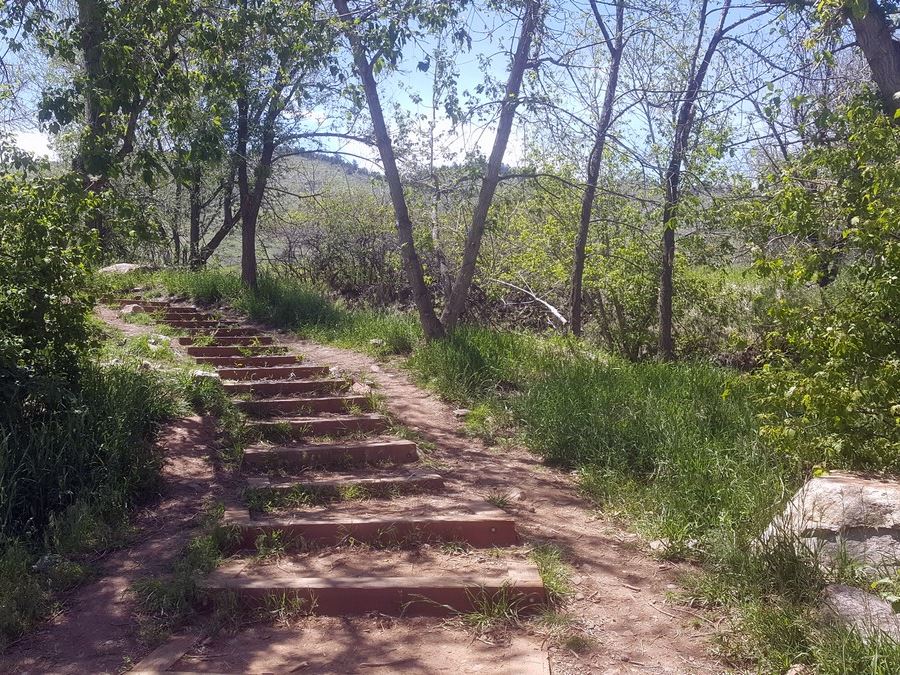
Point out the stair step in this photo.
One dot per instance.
(438, 593)
(300, 427)
(273, 373)
(142, 303)
(330, 455)
(239, 331)
(275, 388)
(380, 485)
(228, 340)
(306, 406)
(475, 523)
(229, 363)
(249, 350)
(211, 323)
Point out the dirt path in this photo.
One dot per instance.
(620, 591)
(619, 600)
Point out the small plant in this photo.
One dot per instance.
(554, 572)
(498, 498)
(491, 611)
(270, 545)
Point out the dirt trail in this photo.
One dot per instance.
(619, 599)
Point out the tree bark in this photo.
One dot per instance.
(672, 181)
(196, 209)
(875, 37)
(89, 160)
(415, 275)
(248, 227)
(593, 170)
(457, 303)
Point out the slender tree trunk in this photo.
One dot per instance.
(196, 209)
(248, 226)
(90, 160)
(457, 302)
(593, 170)
(672, 181)
(411, 262)
(875, 37)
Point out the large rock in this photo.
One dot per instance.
(867, 613)
(123, 268)
(846, 514)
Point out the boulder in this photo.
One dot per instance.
(123, 268)
(131, 309)
(848, 514)
(867, 613)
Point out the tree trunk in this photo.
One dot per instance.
(90, 159)
(196, 209)
(411, 262)
(248, 225)
(672, 182)
(593, 172)
(457, 302)
(875, 37)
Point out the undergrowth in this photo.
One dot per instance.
(671, 449)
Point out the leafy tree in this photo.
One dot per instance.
(832, 378)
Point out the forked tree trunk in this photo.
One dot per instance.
(412, 265)
(457, 303)
(593, 170)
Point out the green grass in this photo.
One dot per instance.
(671, 449)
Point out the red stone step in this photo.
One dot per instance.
(269, 388)
(227, 340)
(475, 523)
(239, 331)
(249, 350)
(330, 455)
(440, 594)
(305, 406)
(141, 303)
(230, 363)
(392, 484)
(190, 323)
(301, 427)
(273, 373)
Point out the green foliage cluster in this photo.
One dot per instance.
(832, 372)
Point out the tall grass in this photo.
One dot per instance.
(671, 448)
(62, 443)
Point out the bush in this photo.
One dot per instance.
(59, 445)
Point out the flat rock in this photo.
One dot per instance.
(867, 613)
(845, 514)
(123, 268)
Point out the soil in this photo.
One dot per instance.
(620, 594)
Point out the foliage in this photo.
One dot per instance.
(43, 276)
(832, 376)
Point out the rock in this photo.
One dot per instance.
(867, 613)
(462, 413)
(123, 268)
(47, 563)
(799, 669)
(200, 374)
(659, 545)
(130, 309)
(844, 514)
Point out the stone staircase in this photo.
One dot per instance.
(359, 525)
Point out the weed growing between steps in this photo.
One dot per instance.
(169, 601)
